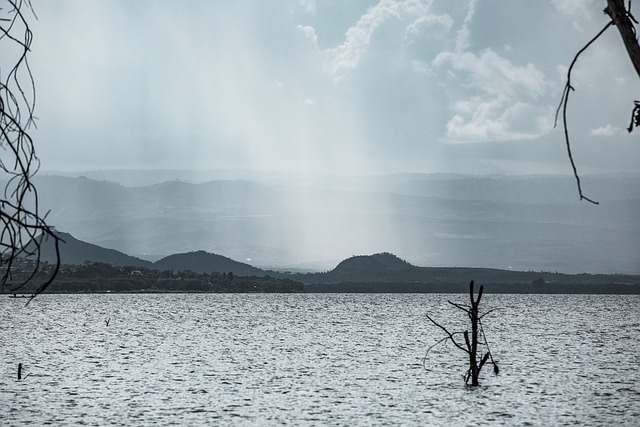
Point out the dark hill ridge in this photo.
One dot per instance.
(205, 262)
(379, 262)
(385, 272)
(74, 251)
(377, 267)
(77, 252)
(381, 272)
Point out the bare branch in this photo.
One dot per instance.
(449, 334)
(464, 308)
(488, 312)
(564, 101)
(22, 228)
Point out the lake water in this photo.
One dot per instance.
(315, 359)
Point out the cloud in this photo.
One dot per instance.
(463, 39)
(435, 25)
(281, 85)
(493, 74)
(578, 10)
(504, 105)
(347, 55)
(607, 130)
(497, 119)
(309, 33)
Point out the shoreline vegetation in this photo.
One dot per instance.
(379, 273)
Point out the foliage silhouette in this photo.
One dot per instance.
(23, 228)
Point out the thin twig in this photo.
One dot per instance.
(563, 105)
(496, 370)
(449, 334)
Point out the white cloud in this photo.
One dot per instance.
(505, 102)
(237, 83)
(496, 119)
(493, 74)
(607, 130)
(463, 40)
(579, 10)
(435, 25)
(358, 38)
(309, 33)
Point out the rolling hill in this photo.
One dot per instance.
(204, 262)
(385, 272)
(381, 272)
(74, 251)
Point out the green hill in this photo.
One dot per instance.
(205, 262)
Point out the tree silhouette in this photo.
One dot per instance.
(622, 18)
(23, 229)
(471, 343)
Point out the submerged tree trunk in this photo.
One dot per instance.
(471, 343)
(474, 368)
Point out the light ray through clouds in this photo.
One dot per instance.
(344, 87)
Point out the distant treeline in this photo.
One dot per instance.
(535, 287)
(102, 277)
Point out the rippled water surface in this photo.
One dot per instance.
(314, 359)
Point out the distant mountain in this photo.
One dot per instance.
(385, 272)
(378, 263)
(74, 251)
(519, 222)
(205, 262)
(381, 272)
(381, 267)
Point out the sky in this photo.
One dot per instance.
(345, 87)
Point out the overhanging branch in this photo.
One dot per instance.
(623, 20)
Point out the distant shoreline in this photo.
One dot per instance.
(389, 288)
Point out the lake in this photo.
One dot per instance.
(315, 359)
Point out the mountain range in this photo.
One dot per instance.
(312, 222)
(77, 252)
(382, 272)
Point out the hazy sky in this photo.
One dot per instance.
(352, 86)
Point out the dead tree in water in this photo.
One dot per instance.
(471, 343)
